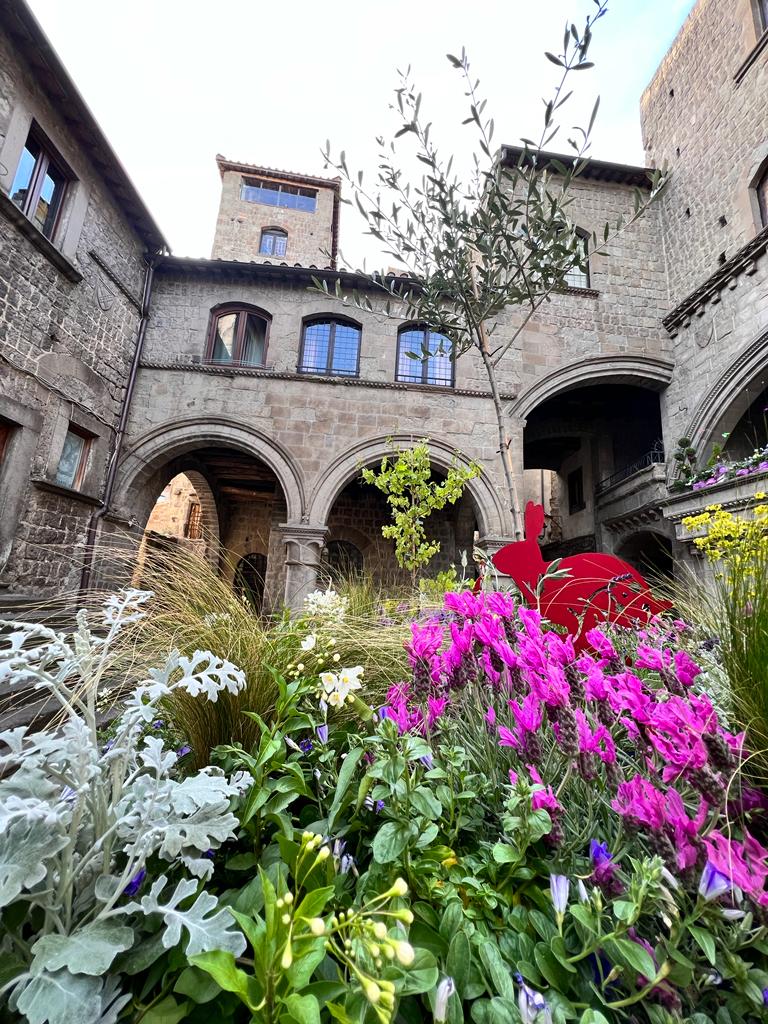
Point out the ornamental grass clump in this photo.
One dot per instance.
(734, 608)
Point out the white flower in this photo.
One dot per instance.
(445, 990)
(326, 604)
(308, 643)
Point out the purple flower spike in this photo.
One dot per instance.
(135, 883)
(305, 746)
(713, 883)
(322, 733)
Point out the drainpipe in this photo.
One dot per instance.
(85, 577)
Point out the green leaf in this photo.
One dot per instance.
(550, 968)
(227, 975)
(390, 841)
(421, 976)
(167, 1011)
(345, 778)
(303, 1009)
(503, 853)
(633, 954)
(458, 963)
(497, 969)
(425, 803)
(198, 985)
(705, 941)
(314, 902)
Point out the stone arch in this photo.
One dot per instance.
(491, 516)
(649, 551)
(158, 447)
(643, 371)
(210, 514)
(728, 399)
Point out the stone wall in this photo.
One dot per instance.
(68, 318)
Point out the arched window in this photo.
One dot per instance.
(762, 194)
(274, 242)
(424, 356)
(343, 560)
(331, 347)
(576, 276)
(238, 335)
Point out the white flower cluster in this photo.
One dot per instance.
(327, 605)
(339, 689)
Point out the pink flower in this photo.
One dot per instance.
(744, 863)
(686, 668)
(507, 738)
(529, 715)
(500, 603)
(649, 657)
(435, 708)
(640, 801)
(531, 620)
(464, 603)
(490, 716)
(599, 742)
(544, 797)
(600, 643)
(686, 830)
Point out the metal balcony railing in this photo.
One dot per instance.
(652, 458)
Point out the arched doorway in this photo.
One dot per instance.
(650, 553)
(250, 579)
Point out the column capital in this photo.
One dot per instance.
(302, 533)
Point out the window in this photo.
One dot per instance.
(274, 242)
(576, 501)
(424, 357)
(39, 186)
(762, 13)
(5, 439)
(238, 336)
(276, 193)
(330, 347)
(762, 195)
(193, 528)
(576, 277)
(73, 459)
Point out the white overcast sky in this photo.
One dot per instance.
(173, 82)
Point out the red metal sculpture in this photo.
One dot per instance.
(598, 588)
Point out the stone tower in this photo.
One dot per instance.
(276, 216)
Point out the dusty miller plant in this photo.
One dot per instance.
(79, 821)
(502, 240)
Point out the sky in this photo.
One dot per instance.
(173, 82)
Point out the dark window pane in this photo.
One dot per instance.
(346, 346)
(21, 181)
(273, 243)
(254, 340)
(70, 460)
(762, 195)
(315, 351)
(48, 204)
(224, 343)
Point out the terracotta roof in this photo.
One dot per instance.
(273, 271)
(596, 170)
(51, 75)
(273, 172)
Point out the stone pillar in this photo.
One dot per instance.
(493, 579)
(303, 549)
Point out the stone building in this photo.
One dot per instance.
(226, 404)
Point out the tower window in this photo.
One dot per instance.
(762, 194)
(762, 13)
(331, 347)
(277, 193)
(238, 336)
(39, 186)
(274, 242)
(424, 357)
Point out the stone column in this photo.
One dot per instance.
(493, 579)
(303, 548)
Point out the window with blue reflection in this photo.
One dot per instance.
(277, 193)
(424, 357)
(331, 348)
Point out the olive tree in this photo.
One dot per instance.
(498, 240)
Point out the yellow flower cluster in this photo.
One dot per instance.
(732, 540)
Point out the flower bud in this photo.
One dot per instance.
(379, 930)
(288, 898)
(317, 926)
(287, 958)
(404, 952)
(323, 854)
(286, 918)
(372, 990)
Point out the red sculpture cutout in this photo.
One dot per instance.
(599, 588)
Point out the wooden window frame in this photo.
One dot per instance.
(333, 321)
(227, 309)
(425, 329)
(48, 155)
(82, 465)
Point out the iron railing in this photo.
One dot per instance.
(652, 458)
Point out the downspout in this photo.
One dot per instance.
(85, 577)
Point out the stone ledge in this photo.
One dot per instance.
(67, 492)
(12, 213)
(391, 385)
